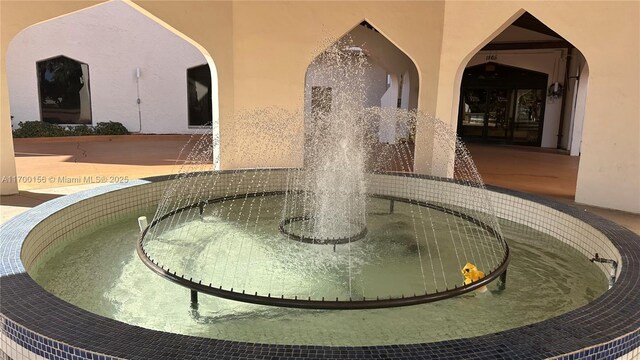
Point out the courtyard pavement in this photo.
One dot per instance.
(52, 167)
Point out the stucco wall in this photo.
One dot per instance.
(545, 61)
(262, 50)
(609, 173)
(276, 42)
(113, 39)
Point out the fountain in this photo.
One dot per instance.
(356, 224)
(345, 196)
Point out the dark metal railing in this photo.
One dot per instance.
(308, 303)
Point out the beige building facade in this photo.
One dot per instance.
(261, 51)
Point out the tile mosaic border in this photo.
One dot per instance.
(607, 328)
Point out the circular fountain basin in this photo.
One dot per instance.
(546, 278)
(96, 232)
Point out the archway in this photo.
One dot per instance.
(133, 81)
(124, 51)
(529, 85)
(391, 83)
(530, 45)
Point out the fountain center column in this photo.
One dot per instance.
(331, 207)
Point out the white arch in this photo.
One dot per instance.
(387, 57)
(575, 132)
(124, 67)
(412, 102)
(463, 64)
(215, 98)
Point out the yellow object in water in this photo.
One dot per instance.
(471, 273)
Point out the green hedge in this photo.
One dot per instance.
(30, 129)
(110, 128)
(38, 129)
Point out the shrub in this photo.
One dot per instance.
(111, 128)
(30, 129)
(80, 130)
(37, 129)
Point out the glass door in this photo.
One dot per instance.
(498, 115)
(474, 109)
(502, 104)
(529, 111)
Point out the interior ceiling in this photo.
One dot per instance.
(368, 26)
(525, 21)
(529, 22)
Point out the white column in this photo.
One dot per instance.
(85, 97)
(578, 115)
(403, 128)
(9, 184)
(406, 89)
(389, 100)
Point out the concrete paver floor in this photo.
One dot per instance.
(531, 170)
(54, 162)
(46, 167)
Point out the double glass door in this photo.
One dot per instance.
(502, 104)
(499, 115)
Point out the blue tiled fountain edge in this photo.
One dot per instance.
(608, 326)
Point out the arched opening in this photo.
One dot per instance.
(122, 49)
(525, 87)
(504, 70)
(391, 80)
(64, 92)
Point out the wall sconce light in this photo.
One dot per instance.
(555, 91)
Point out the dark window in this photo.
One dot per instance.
(64, 91)
(199, 95)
